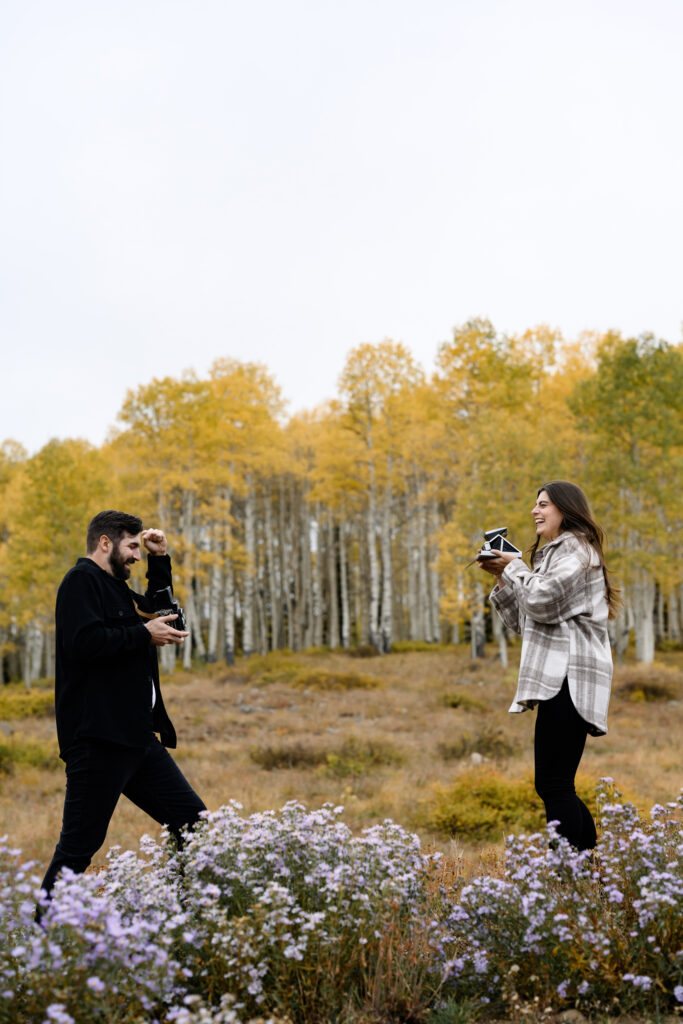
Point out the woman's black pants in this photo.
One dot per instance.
(558, 745)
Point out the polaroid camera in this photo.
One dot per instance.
(496, 544)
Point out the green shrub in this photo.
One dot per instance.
(16, 752)
(274, 667)
(320, 679)
(363, 651)
(293, 755)
(491, 743)
(482, 806)
(22, 703)
(407, 646)
(647, 692)
(354, 757)
(464, 701)
(357, 757)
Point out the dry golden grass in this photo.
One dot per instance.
(224, 715)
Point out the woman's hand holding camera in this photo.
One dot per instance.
(496, 565)
(162, 632)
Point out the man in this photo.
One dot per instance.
(108, 701)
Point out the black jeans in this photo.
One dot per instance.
(558, 745)
(97, 773)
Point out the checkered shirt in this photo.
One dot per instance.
(561, 611)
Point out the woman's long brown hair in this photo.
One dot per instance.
(577, 518)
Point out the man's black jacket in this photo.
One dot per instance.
(105, 662)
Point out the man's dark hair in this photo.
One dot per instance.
(111, 524)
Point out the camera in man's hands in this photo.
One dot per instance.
(495, 544)
(164, 603)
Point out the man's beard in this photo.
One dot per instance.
(119, 567)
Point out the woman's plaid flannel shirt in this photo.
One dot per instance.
(561, 611)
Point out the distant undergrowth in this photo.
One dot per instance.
(464, 701)
(491, 743)
(16, 702)
(354, 757)
(321, 679)
(16, 752)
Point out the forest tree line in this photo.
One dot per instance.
(352, 524)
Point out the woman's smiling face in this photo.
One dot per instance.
(547, 517)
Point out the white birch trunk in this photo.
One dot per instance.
(273, 587)
(425, 627)
(229, 614)
(412, 558)
(477, 624)
(332, 599)
(374, 581)
(318, 578)
(643, 602)
(673, 620)
(499, 637)
(387, 572)
(248, 582)
(344, 585)
(434, 581)
(216, 593)
(285, 552)
(619, 629)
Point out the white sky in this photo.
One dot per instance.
(280, 180)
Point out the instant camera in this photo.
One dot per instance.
(494, 545)
(164, 603)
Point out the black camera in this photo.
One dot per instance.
(164, 603)
(496, 544)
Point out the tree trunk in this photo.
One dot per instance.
(434, 582)
(216, 593)
(661, 620)
(387, 572)
(286, 560)
(619, 629)
(673, 622)
(477, 624)
(332, 595)
(344, 583)
(374, 580)
(643, 601)
(273, 587)
(499, 637)
(248, 581)
(318, 578)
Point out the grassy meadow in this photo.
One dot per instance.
(420, 736)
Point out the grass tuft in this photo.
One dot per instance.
(464, 701)
(320, 679)
(492, 743)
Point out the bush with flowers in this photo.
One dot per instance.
(287, 917)
(601, 930)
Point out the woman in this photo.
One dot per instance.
(561, 609)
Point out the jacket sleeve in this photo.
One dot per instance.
(158, 576)
(82, 625)
(504, 600)
(556, 594)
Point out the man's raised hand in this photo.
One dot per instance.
(155, 541)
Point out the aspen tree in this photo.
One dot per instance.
(630, 414)
(373, 385)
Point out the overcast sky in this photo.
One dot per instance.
(280, 180)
